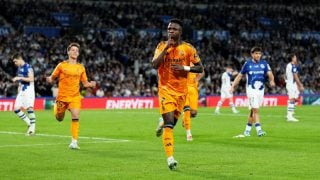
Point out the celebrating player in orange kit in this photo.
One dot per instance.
(173, 60)
(70, 73)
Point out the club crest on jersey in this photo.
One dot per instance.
(181, 53)
(262, 66)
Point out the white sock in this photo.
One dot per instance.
(170, 158)
(248, 127)
(188, 132)
(32, 117)
(218, 106)
(23, 116)
(258, 127)
(290, 108)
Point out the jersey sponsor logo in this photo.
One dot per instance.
(256, 72)
(173, 60)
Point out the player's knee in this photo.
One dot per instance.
(75, 119)
(59, 117)
(186, 108)
(169, 124)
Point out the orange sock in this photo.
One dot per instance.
(187, 120)
(55, 109)
(75, 129)
(167, 140)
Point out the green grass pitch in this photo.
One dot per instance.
(121, 144)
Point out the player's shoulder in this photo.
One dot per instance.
(161, 44)
(247, 62)
(263, 61)
(27, 65)
(64, 62)
(187, 45)
(80, 64)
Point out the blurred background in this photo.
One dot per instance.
(118, 39)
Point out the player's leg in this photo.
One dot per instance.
(232, 106)
(193, 103)
(170, 108)
(29, 103)
(75, 114)
(18, 105)
(167, 138)
(32, 116)
(159, 129)
(293, 95)
(249, 124)
(255, 114)
(60, 109)
(220, 102)
(187, 122)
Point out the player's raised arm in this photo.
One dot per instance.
(160, 53)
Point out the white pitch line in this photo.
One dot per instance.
(54, 144)
(241, 114)
(63, 136)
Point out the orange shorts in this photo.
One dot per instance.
(63, 106)
(169, 103)
(192, 98)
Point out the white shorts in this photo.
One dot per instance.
(24, 99)
(293, 92)
(255, 98)
(225, 93)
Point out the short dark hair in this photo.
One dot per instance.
(256, 49)
(17, 56)
(177, 21)
(290, 56)
(73, 44)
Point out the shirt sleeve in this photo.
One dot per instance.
(244, 68)
(294, 69)
(194, 57)
(268, 67)
(83, 76)
(56, 71)
(158, 50)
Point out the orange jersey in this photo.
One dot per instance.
(175, 82)
(70, 76)
(192, 80)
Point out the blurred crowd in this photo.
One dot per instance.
(121, 65)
